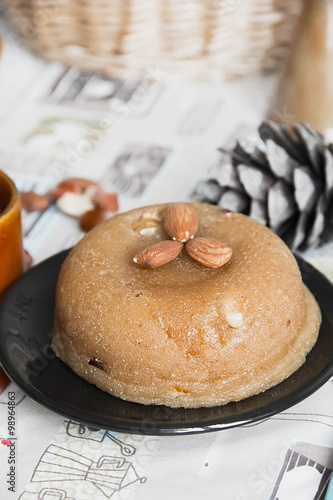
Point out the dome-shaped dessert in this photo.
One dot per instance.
(183, 334)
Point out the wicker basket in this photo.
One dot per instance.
(191, 39)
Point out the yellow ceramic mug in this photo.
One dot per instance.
(11, 247)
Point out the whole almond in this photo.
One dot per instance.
(4, 380)
(106, 200)
(209, 252)
(180, 222)
(27, 260)
(158, 254)
(92, 218)
(32, 201)
(72, 185)
(74, 204)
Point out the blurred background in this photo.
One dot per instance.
(193, 40)
(142, 95)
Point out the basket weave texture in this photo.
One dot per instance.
(191, 39)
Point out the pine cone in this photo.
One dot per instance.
(283, 179)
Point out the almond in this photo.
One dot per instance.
(74, 204)
(180, 222)
(106, 200)
(96, 362)
(32, 201)
(158, 254)
(91, 219)
(235, 320)
(73, 185)
(149, 220)
(27, 260)
(4, 380)
(208, 251)
(61, 189)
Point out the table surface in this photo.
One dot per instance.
(154, 141)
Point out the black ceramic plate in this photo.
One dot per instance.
(26, 318)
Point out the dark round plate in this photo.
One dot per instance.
(26, 318)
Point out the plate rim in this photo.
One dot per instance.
(214, 424)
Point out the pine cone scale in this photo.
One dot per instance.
(284, 179)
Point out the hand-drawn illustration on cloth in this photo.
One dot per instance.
(109, 474)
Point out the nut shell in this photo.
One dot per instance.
(71, 185)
